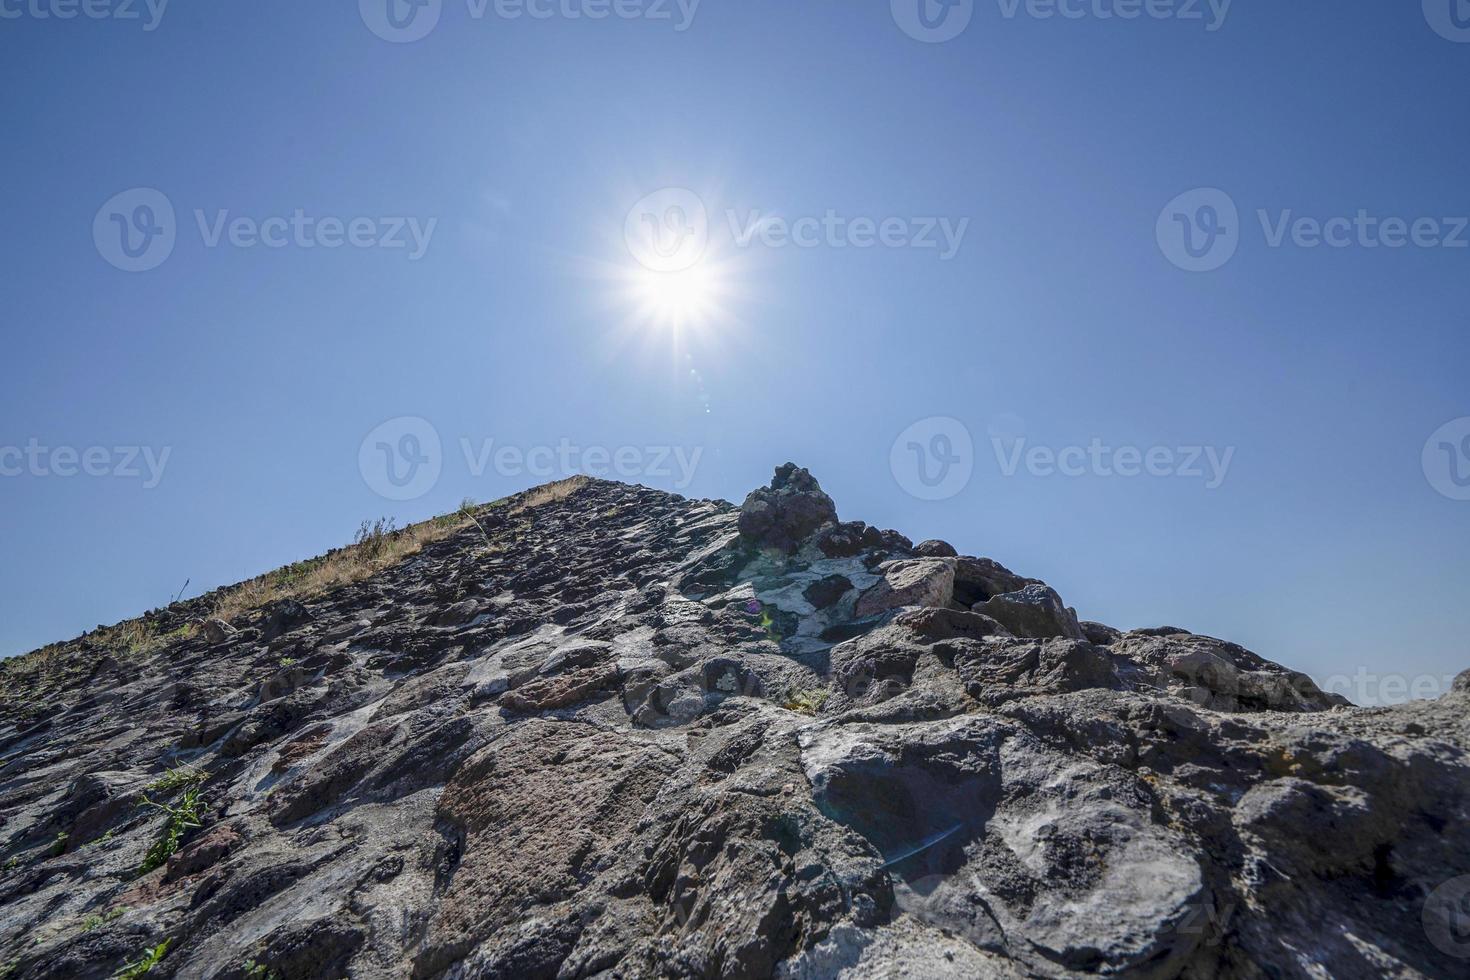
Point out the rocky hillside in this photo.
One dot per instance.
(609, 732)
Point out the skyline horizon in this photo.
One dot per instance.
(1079, 293)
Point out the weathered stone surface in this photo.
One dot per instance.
(915, 582)
(1000, 669)
(642, 736)
(1035, 611)
(217, 630)
(788, 511)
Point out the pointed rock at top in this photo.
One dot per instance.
(788, 511)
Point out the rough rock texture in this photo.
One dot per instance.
(624, 734)
(788, 511)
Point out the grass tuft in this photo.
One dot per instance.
(145, 963)
(93, 922)
(176, 779)
(807, 702)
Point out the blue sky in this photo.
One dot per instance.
(1059, 152)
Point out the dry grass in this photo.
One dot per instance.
(378, 545)
(549, 494)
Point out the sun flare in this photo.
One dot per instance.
(683, 299)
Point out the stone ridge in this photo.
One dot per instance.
(624, 734)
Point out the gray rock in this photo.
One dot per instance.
(1035, 611)
(1098, 633)
(913, 582)
(217, 630)
(788, 511)
(628, 740)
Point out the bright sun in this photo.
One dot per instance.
(680, 300)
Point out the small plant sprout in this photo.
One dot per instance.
(186, 816)
(145, 962)
(92, 922)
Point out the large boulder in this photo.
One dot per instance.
(788, 511)
(1219, 675)
(916, 582)
(1035, 611)
(977, 579)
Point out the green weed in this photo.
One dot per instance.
(807, 702)
(186, 816)
(176, 779)
(145, 963)
(98, 921)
